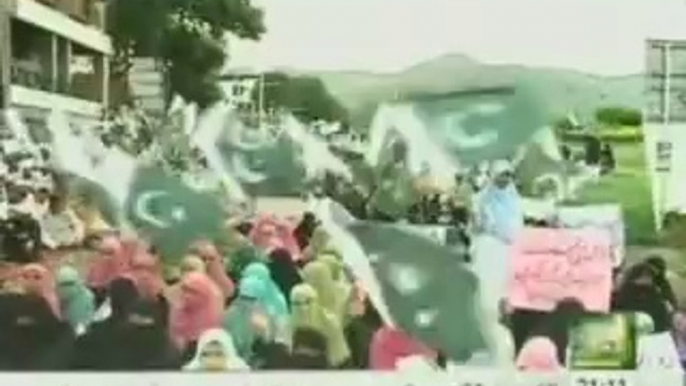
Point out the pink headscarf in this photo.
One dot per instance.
(111, 262)
(390, 345)
(146, 272)
(538, 354)
(199, 309)
(36, 279)
(215, 267)
(270, 233)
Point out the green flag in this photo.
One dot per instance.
(169, 214)
(480, 125)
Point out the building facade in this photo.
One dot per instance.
(54, 54)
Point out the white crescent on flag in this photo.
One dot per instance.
(142, 208)
(463, 140)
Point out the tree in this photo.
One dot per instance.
(188, 36)
(618, 116)
(305, 96)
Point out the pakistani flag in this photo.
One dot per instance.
(417, 285)
(156, 205)
(447, 132)
(169, 214)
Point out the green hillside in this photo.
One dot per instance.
(560, 90)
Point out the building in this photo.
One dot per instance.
(54, 54)
(665, 124)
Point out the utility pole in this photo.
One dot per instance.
(261, 101)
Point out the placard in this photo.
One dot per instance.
(608, 217)
(550, 265)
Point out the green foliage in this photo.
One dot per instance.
(618, 116)
(305, 96)
(188, 36)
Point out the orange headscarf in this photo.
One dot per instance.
(215, 267)
(199, 309)
(538, 354)
(111, 262)
(36, 279)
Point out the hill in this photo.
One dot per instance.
(559, 90)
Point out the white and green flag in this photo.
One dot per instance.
(446, 133)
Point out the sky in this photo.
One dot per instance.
(604, 37)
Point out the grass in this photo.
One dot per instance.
(629, 186)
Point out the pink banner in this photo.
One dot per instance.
(554, 264)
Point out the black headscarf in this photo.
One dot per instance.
(284, 271)
(123, 295)
(659, 266)
(143, 341)
(359, 333)
(309, 350)
(636, 296)
(557, 325)
(303, 232)
(33, 337)
(92, 349)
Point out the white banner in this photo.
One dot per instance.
(344, 378)
(608, 217)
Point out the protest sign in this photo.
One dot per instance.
(554, 264)
(608, 217)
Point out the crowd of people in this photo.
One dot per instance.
(76, 293)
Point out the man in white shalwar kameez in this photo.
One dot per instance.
(499, 218)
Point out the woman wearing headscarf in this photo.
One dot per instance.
(303, 232)
(77, 302)
(89, 353)
(308, 312)
(216, 353)
(189, 264)
(332, 294)
(141, 342)
(284, 271)
(499, 220)
(390, 345)
(539, 354)
(252, 304)
(659, 266)
(363, 322)
(640, 293)
(214, 264)
(37, 280)
(555, 325)
(242, 252)
(319, 243)
(199, 309)
(271, 298)
(271, 232)
(35, 339)
(110, 262)
(310, 351)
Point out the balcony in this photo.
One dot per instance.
(80, 21)
(48, 70)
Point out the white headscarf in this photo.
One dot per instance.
(501, 213)
(217, 335)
